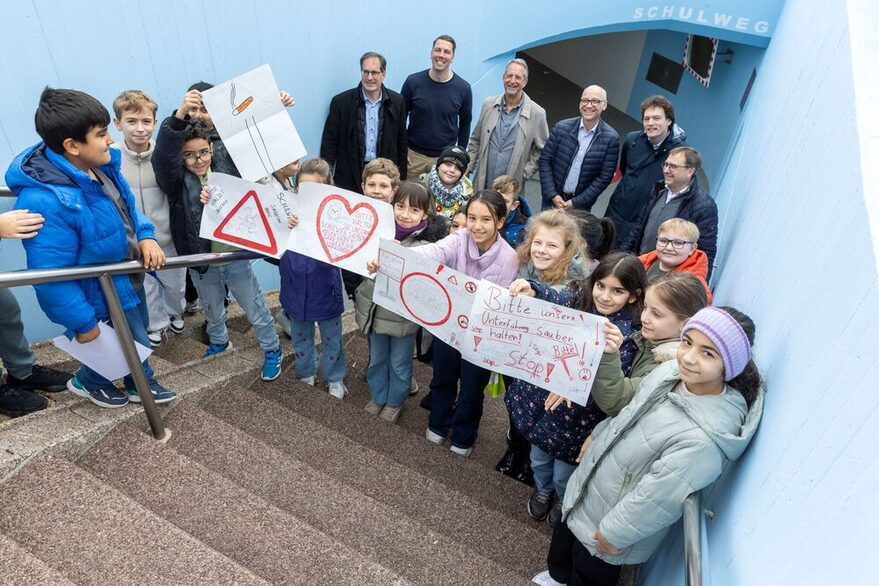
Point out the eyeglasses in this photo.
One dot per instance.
(595, 102)
(192, 157)
(368, 73)
(673, 167)
(663, 242)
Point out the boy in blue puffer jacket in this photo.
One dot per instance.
(73, 179)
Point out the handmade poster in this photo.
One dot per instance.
(340, 227)
(255, 127)
(248, 215)
(103, 354)
(425, 292)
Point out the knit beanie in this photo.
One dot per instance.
(727, 336)
(456, 156)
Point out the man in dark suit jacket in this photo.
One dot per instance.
(365, 123)
(580, 156)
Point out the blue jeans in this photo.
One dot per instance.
(390, 368)
(332, 355)
(550, 473)
(137, 318)
(463, 419)
(239, 278)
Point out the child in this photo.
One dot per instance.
(554, 427)
(165, 290)
(73, 179)
(480, 253)
(598, 235)
(311, 291)
(391, 337)
(699, 412)
(552, 250)
(447, 183)
(183, 160)
(459, 220)
(677, 251)
(518, 211)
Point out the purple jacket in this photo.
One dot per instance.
(498, 264)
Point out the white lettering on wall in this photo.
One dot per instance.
(688, 13)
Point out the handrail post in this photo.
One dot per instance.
(120, 324)
(692, 540)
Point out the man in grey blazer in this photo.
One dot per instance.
(510, 132)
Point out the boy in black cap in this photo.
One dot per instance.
(447, 183)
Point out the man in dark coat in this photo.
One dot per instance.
(364, 123)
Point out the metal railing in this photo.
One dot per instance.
(693, 540)
(6, 192)
(104, 274)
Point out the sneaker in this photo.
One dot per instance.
(461, 451)
(555, 514)
(271, 366)
(544, 579)
(413, 386)
(309, 380)
(215, 349)
(160, 394)
(177, 324)
(109, 396)
(15, 402)
(42, 378)
(192, 307)
(433, 437)
(372, 408)
(156, 337)
(539, 504)
(338, 389)
(391, 414)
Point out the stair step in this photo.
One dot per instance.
(268, 541)
(93, 534)
(400, 484)
(22, 568)
(415, 551)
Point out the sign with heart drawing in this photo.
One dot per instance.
(340, 227)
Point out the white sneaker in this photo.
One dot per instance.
(156, 338)
(177, 324)
(461, 451)
(309, 380)
(433, 438)
(544, 579)
(338, 389)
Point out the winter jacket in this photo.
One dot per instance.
(578, 270)
(458, 251)
(137, 169)
(311, 290)
(643, 463)
(183, 187)
(343, 144)
(531, 134)
(597, 169)
(82, 226)
(696, 264)
(513, 230)
(641, 166)
(696, 206)
(372, 319)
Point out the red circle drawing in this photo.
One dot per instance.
(463, 321)
(433, 284)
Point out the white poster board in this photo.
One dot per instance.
(340, 227)
(255, 127)
(248, 215)
(103, 354)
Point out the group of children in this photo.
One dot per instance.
(676, 394)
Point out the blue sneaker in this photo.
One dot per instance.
(108, 396)
(160, 394)
(215, 349)
(271, 366)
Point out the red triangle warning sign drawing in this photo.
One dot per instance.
(452, 280)
(271, 248)
(476, 340)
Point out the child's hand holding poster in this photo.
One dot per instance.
(340, 227)
(248, 215)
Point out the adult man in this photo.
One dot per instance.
(643, 153)
(678, 196)
(510, 132)
(439, 104)
(364, 123)
(580, 156)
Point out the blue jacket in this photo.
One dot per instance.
(513, 230)
(596, 171)
(311, 290)
(82, 227)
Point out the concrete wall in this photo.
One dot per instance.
(798, 204)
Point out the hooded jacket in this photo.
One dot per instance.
(696, 263)
(643, 463)
(498, 264)
(82, 226)
(513, 230)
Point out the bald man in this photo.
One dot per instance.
(580, 156)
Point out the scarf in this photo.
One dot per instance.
(446, 198)
(404, 233)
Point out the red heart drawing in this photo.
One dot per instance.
(339, 244)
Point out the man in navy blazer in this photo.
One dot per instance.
(580, 156)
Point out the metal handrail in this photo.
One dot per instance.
(104, 274)
(6, 192)
(692, 540)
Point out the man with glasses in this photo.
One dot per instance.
(363, 124)
(580, 156)
(679, 195)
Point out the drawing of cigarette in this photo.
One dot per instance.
(242, 106)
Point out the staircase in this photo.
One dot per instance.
(263, 483)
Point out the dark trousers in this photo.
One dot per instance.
(570, 563)
(463, 418)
